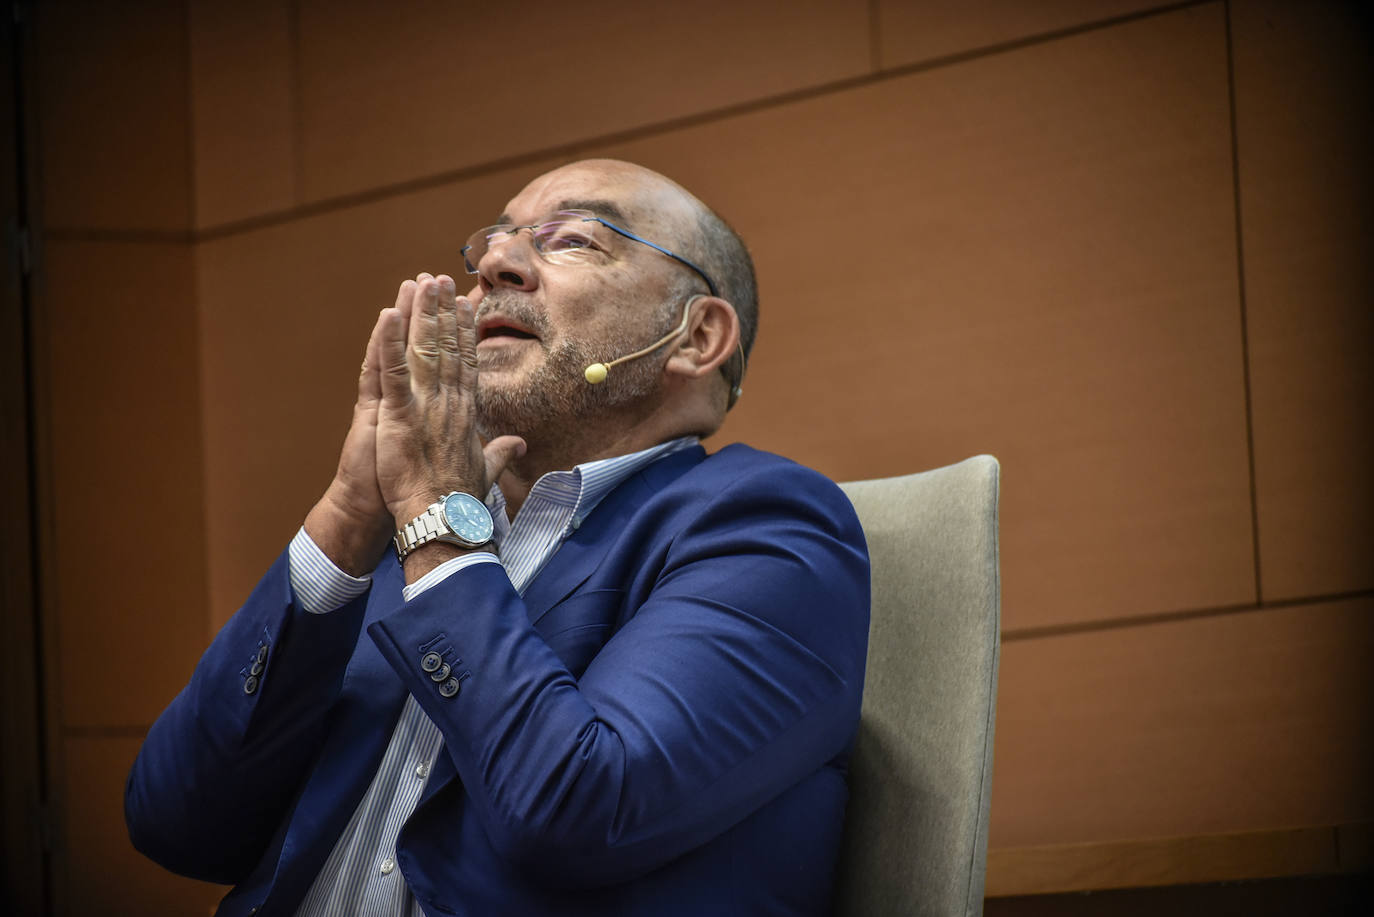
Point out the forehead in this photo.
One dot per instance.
(629, 196)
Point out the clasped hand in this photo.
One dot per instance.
(413, 436)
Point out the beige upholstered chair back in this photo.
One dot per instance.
(916, 833)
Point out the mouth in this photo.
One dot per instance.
(501, 328)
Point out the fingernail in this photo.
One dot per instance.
(465, 306)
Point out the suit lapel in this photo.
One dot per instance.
(582, 553)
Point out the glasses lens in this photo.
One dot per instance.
(480, 241)
(572, 237)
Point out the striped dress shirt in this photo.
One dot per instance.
(361, 876)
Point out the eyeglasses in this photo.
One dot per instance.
(571, 237)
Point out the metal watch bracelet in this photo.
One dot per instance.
(421, 530)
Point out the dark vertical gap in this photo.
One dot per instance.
(1240, 285)
(21, 485)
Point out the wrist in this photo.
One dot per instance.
(406, 510)
(354, 542)
(426, 557)
(457, 518)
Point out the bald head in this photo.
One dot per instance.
(658, 208)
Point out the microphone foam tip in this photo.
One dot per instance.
(596, 373)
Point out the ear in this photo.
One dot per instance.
(710, 339)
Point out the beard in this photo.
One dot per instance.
(555, 395)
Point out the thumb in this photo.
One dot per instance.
(499, 453)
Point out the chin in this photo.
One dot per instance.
(554, 395)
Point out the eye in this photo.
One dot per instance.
(566, 237)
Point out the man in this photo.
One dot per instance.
(629, 689)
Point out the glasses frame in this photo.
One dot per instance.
(585, 216)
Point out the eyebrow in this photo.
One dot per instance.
(601, 208)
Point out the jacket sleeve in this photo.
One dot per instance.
(220, 766)
(739, 674)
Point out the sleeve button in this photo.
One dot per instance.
(449, 688)
(262, 654)
(250, 684)
(443, 672)
(431, 662)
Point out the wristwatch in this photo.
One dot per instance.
(456, 518)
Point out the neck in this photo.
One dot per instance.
(588, 442)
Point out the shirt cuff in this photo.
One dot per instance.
(318, 583)
(447, 569)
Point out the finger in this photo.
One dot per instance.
(499, 453)
(369, 378)
(423, 351)
(463, 368)
(447, 331)
(405, 296)
(392, 368)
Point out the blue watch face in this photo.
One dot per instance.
(468, 517)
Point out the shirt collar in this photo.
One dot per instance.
(587, 484)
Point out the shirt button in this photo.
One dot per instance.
(422, 770)
(387, 866)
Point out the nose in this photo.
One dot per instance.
(509, 263)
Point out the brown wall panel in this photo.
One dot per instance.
(112, 114)
(103, 873)
(911, 32)
(127, 533)
(404, 90)
(1030, 254)
(1242, 722)
(243, 93)
(1304, 95)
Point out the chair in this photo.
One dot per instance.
(916, 832)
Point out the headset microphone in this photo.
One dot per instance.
(596, 373)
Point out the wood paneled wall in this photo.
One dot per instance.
(1121, 245)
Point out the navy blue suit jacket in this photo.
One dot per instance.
(659, 726)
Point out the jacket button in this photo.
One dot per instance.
(442, 673)
(256, 668)
(449, 688)
(250, 684)
(431, 662)
(262, 654)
